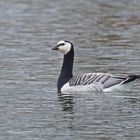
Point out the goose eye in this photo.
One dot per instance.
(61, 44)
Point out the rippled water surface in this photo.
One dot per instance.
(106, 35)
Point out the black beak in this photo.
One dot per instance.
(55, 48)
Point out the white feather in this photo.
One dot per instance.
(64, 48)
(96, 87)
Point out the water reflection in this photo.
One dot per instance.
(133, 101)
(67, 102)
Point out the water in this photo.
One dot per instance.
(106, 38)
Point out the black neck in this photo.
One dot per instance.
(66, 71)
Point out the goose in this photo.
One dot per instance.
(98, 82)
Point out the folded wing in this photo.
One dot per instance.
(107, 80)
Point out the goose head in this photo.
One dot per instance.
(64, 47)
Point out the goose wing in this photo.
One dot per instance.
(107, 80)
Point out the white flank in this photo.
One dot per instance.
(96, 87)
(118, 88)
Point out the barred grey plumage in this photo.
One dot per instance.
(106, 79)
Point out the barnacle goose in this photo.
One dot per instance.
(98, 82)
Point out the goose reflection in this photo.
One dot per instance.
(67, 102)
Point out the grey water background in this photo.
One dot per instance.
(106, 36)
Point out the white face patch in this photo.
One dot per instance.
(64, 47)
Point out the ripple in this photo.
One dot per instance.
(30, 108)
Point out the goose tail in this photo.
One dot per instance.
(131, 78)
